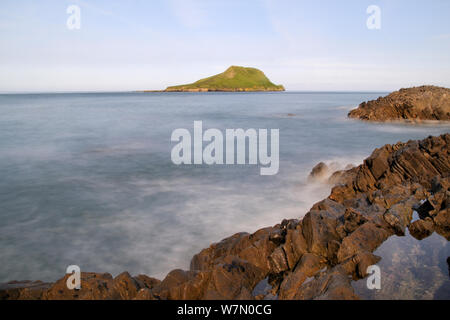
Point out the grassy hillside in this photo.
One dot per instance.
(233, 79)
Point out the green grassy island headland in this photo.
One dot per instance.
(234, 79)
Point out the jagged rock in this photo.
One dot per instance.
(413, 163)
(206, 258)
(439, 201)
(352, 220)
(277, 236)
(278, 261)
(144, 294)
(378, 163)
(254, 248)
(23, 290)
(399, 216)
(126, 286)
(333, 284)
(94, 286)
(147, 281)
(308, 266)
(413, 104)
(366, 238)
(421, 229)
(235, 279)
(182, 285)
(396, 194)
(337, 177)
(319, 227)
(295, 246)
(363, 260)
(356, 266)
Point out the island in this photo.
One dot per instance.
(425, 103)
(234, 79)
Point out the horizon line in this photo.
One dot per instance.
(148, 91)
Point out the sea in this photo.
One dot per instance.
(87, 178)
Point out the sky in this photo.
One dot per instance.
(304, 45)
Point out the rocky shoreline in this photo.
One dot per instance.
(417, 104)
(313, 258)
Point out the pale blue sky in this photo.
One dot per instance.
(304, 45)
